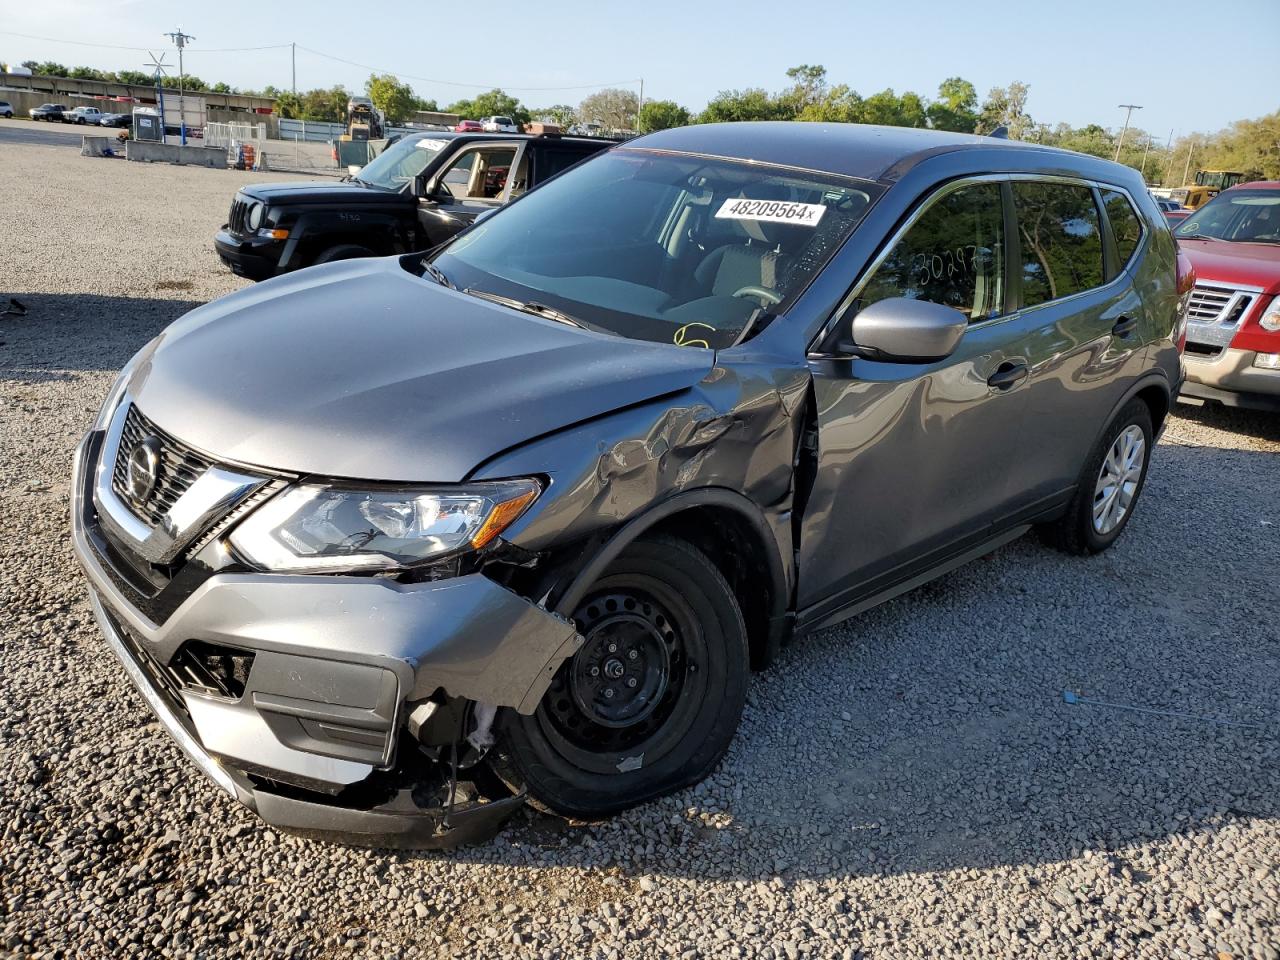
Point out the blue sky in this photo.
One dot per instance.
(1080, 58)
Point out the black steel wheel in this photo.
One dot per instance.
(650, 702)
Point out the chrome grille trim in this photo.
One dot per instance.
(246, 506)
(1216, 310)
(180, 467)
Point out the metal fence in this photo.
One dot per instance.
(222, 134)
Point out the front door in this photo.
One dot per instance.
(480, 177)
(914, 458)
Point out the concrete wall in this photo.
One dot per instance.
(23, 101)
(58, 89)
(146, 150)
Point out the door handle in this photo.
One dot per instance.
(1007, 375)
(1124, 326)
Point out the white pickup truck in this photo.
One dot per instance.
(83, 115)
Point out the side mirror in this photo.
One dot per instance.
(420, 185)
(899, 330)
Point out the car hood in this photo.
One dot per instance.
(1249, 264)
(331, 192)
(359, 369)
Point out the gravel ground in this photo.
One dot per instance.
(910, 784)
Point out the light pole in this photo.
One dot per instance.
(1129, 107)
(180, 40)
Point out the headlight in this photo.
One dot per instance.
(321, 529)
(1270, 319)
(253, 217)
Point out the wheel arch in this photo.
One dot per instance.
(1152, 389)
(736, 536)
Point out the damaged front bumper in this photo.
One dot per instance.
(311, 735)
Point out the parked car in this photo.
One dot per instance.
(6, 109)
(533, 503)
(416, 194)
(83, 115)
(47, 111)
(1175, 217)
(469, 126)
(1233, 329)
(499, 125)
(115, 120)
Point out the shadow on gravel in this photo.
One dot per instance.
(1254, 423)
(62, 334)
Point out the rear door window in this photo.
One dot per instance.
(952, 255)
(1126, 225)
(1060, 238)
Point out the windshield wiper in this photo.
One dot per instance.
(528, 306)
(436, 274)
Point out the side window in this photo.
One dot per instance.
(552, 161)
(477, 174)
(952, 255)
(1126, 225)
(1058, 227)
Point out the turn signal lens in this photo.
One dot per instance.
(274, 234)
(1270, 319)
(503, 515)
(1267, 361)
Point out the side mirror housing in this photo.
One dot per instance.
(899, 330)
(420, 185)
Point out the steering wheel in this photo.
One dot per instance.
(770, 297)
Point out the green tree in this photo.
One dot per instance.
(612, 107)
(395, 99)
(46, 68)
(327, 105)
(662, 115)
(429, 105)
(494, 103)
(956, 106)
(1007, 107)
(808, 87)
(839, 104)
(889, 109)
(136, 77)
(220, 87)
(751, 104)
(1249, 146)
(560, 114)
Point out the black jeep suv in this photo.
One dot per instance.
(415, 195)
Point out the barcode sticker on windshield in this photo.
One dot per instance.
(431, 144)
(774, 211)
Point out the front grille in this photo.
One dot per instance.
(1202, 351)
(235, 219)
(1217, 304)
(179, 467)
(212, 669)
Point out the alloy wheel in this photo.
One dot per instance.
(1118, 479)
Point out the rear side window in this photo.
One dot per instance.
(1058, 229)
(552, 161)
(1126, 226)
(952, 255)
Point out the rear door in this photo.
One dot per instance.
(1083, 324)
(914, 458)
(479, 177)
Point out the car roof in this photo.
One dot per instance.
(479, 137)
(1256, 185)
(858, 150)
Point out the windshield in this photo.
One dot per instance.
(1241, 216)
(401, 162)
(673, 249)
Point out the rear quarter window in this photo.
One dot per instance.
(1126, 225)
(1059, 232)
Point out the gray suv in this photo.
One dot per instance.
(391, 546)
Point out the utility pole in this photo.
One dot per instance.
(640, 105)
(1186, 172)
(1145, 151)
(180, 40)
(1168, 157)
(293, 54)
(1130, 107)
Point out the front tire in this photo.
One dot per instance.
(649, 703)
(1109, 485)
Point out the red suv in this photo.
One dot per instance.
(1233, 328)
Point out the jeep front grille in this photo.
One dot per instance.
(235, 219)
(179, 467)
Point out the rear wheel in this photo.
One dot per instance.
(649, 703)
(1109, 485)
(346, 251)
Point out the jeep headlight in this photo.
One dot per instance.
(253, 216)
(312, 528)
